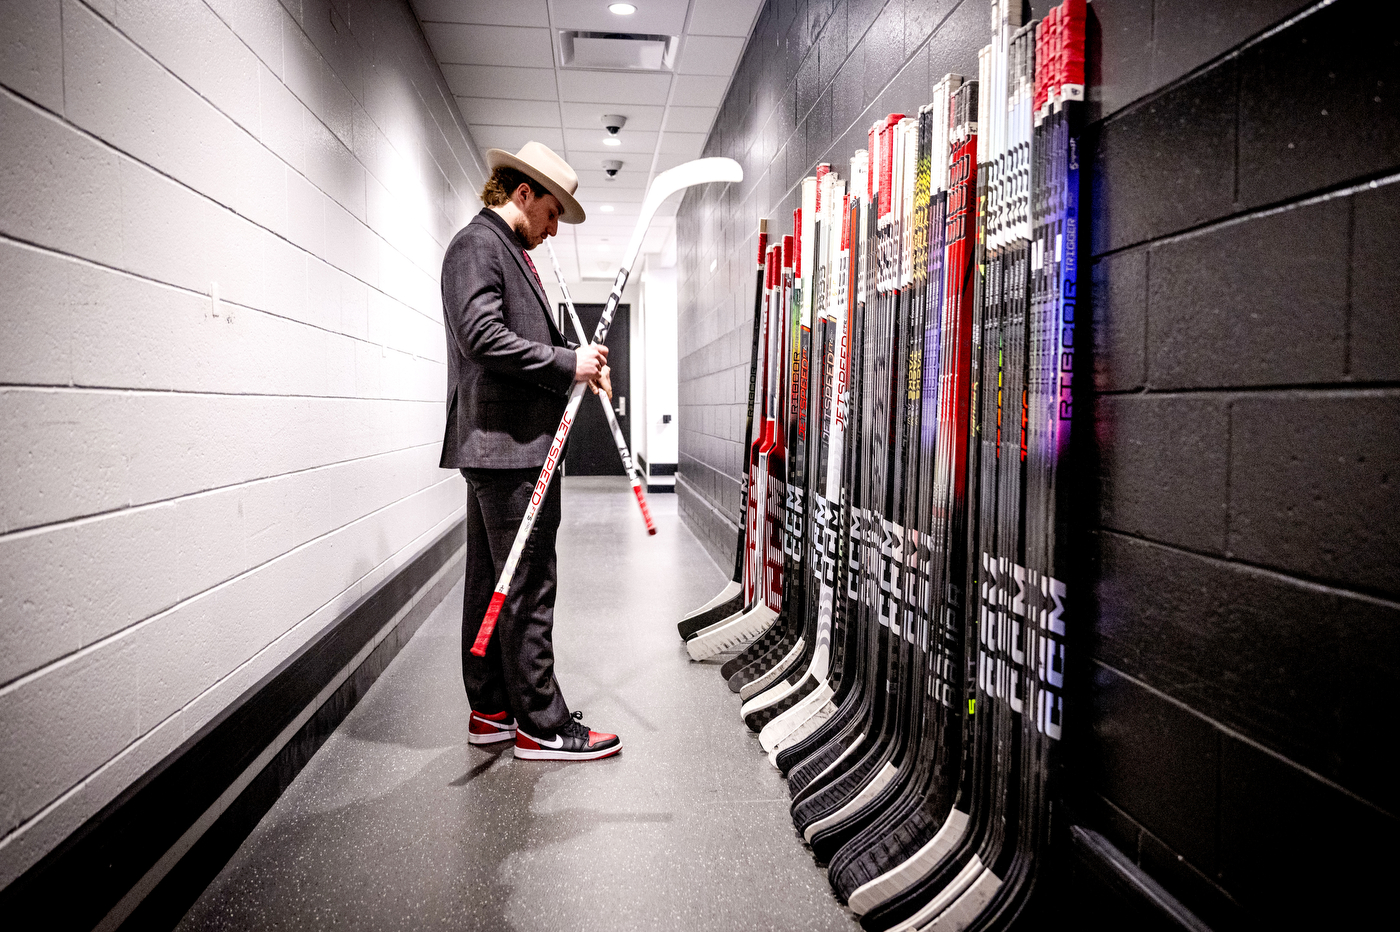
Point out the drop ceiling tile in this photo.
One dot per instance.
(621, 198)
(697, 90)
(633, 175)
(492, 12)
(604, 248)
(603, 269)
(590, 140)
(546, 267)
(623, 201)
(500, 112)
(624, 213)
(597, 184)
(710, 55)
(616, 234)
(600, 258)
(490, 81)
(562, 246)
(686, 144)
(601, 252)
(590, 116)
(666, 160)
(690, 119)
(722, 17)
(611, 232)
(511, 138)
(653, 17)
(599, 224)
(670, 160)
(614, 87)
(656, 237)
(457, 44)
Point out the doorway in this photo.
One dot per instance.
(592, 451)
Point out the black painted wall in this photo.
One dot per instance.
(1241, 628)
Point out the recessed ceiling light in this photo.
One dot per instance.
(607, 208)
(612, 141)
(622, 9)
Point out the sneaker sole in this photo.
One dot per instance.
(546, 754)
(493, 738)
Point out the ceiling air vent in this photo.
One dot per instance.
(620, 51)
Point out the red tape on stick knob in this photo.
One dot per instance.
(488, 624)
(646, 512)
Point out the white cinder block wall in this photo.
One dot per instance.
(191, 486)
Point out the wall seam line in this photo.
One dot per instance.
(1324, 588)
(112, 637)
(1226, 730)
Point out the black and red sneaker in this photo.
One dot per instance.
(488, 729)
(573, 741)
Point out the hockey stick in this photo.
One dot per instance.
(765, 503)
(809, 713)
(633, 476)
(733, 596)
(861, 870)
(671, 181)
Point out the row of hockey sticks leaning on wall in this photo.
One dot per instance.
(895, 626)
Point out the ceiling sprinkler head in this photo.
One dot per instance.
(614, 122)
(612, 167)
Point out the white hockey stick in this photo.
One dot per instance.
(700, 171)
(633, 475)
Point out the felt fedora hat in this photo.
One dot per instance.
(545, 166)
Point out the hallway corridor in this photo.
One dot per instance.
(398, 823)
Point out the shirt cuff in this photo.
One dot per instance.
(565, 365)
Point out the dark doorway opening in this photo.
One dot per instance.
(592, 451)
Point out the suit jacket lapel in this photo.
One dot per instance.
(517, 251)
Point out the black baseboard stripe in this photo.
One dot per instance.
(146, 856)
(1140, 897)
(728, 527)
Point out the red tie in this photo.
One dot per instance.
(533, 272)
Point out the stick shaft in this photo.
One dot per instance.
(551, 462)
(669, 182)
(633, 475)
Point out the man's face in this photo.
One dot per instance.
(541, 215)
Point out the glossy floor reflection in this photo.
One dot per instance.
(398, 823)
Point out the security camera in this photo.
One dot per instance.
(614, 123)
(612, 167)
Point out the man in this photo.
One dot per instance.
(509, 374)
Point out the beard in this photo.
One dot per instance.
(522, 232)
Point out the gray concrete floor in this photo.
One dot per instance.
(398, 823)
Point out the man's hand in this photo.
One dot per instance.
(603, 383)
(591, 362)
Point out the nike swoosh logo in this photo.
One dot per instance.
(557, 743)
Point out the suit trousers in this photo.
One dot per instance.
(517, 673)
